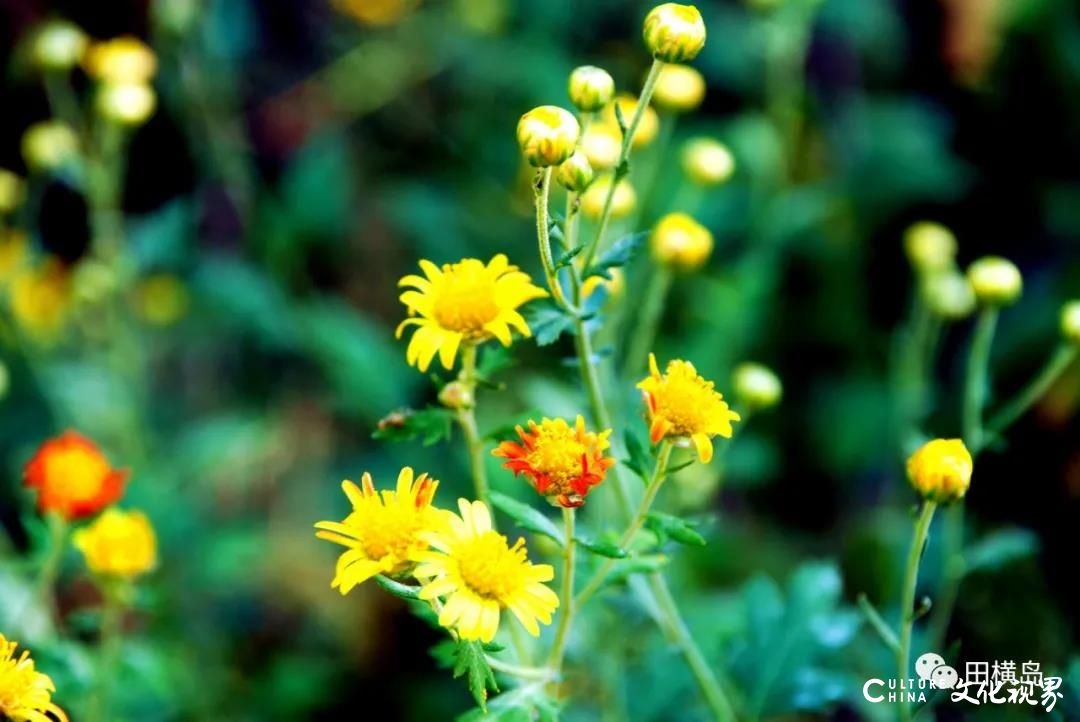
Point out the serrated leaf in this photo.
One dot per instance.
(469, 662)
(601, 548)
(667, 526)
(999, 548)
(404, 591)
(619, 254)
(566, 258)
(547, 322)
(644, 564)
(431, 424)
(526, 517)
(640, 460)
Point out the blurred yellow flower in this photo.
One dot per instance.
(683, 405)
(648, 126)
(119, 544)
(1070, 322)
(681, 242)
(121, 60)
(623, 202)
(756, 385)
(674, 33)
(49, 144)
(58, 45)
(126, 103)
(941, 470)
(995, 280)
(14, 251)
(479, 574)
(601, 143)
(161, 299)
(930, 247)
(25, 693)
(384, 530)
(41, 299)
(466, 301)
(680, 88)
(707, 162)
(11, 191)
(376, 12)
(547, 135)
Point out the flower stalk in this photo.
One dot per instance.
(907, 602)
(975, 388)
(1056, 365)
(558, 648)
(543, 234)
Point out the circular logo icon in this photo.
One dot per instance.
(944, 677)
(926, 664)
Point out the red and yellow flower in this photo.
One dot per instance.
(562, 462)
(72, 477)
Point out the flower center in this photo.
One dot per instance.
(557, 453)
(681, 402)
(388, 532)
(490, 568)
(77, 473)
(466, 301)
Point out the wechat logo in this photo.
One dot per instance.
(931, 668)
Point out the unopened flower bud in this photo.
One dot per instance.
(707, 162)
(59, 45)
(674, 33)
(622, 203)
(161, 299)
(1070, 322)
(648, 126)
(591, 88)
(680, 88)
(49, 145)
(941, 470)
(93, 281)
(949, 295)
(681, 242)
(121, 60)
(11, 191)
(575, 174)
(930, 247)
(756, 386)
(996, 281)
(601, 143)
(547, 135)
(456, 395)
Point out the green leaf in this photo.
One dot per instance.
(404, 591)
(564, 260)
(601, 548)
(547, 322)
(644, 564)
(432, 424)
(495, 358)
(667, 526)
(640, 460)
(999, 548)
(526, 517)
(469, 662)
(621, 252)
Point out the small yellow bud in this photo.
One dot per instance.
(674, 33)
(996, 281)
(1070, 322)
(756, 386)
(622, 203)
(941, 470)
(49, 145)
(92, 281)
(707, 162)
(40, 299)
(456, 395)
(681, 242)
(930, 247)
(547, 135)
(613, 285)
(949, 295)
(648, 126)
(591, 88)
(161, 299)
(126, 103)
(601, 144)
(11, 191)
(575, 174)
(119, 544)
(121, 60)
(59, 45)
(679, 89)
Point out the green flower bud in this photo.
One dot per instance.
(930, 247)
(547, 135)
(59, 45)
(590, 88)
(575, 173)
(949, 295)
(756, 386)
(707, 162)
(1070, 322)
(456, 395)
(11, 191)
(674, 33)
(126, 103)
(49, 145)
(996, 281)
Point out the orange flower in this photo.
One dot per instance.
(561, 461)
(72, 477)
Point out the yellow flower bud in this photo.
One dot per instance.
(119, 544)
(707, 162)
(679, 89)
(591, 88)
(11, 191)
(622, 203)
(547, 135)
(575, 173)
(930, 247)
(49, 145)
(162, 299)
(601, 143)
(58, 45)
(674, 33)
(648, 126)
(949, 295)
(456, 395)
(126, 103)
(681, 242)
(1070, 322)
(941, 470)
(40, 299)
(614, 285)
(121, 60)
(996, 281)
(756, 386)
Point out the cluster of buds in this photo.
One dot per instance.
(123, 67)
(931, 250)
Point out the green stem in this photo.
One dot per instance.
(515, 670)
(467, 421)
(888, 636)
(978, 371)
(1035, 390)
(50, 567)
(622, 165)
(953, 570)
(543, 236)
(907, 601)
(112, 615)
(652, 309)
(558, 648)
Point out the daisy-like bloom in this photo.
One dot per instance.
(72, 477)
(119, 544)
(563, 462)
(25, 693)
(683, 405)
(466, 301)
(941, 470)
(383, 532)
(480, 574)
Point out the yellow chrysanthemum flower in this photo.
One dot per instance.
(384, 530)
(25, 693)
(466, 302)
(479, 574)
(119, 544)
(941, 470)
(682, 405)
